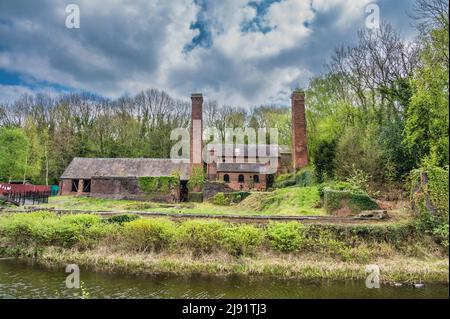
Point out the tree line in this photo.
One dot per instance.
(380, 108)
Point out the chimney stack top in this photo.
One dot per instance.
(197, 95)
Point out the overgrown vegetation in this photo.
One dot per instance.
(430, 198)
(345, 242)
(163, 184)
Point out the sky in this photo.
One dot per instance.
(237, 52)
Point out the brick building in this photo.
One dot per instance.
(241, 167)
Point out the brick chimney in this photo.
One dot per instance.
(299, 141)
(196, 130)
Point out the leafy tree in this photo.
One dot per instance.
(13, 153)
(323, 157)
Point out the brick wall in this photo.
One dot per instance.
(196, 131)
(247, 184)
(299, 149)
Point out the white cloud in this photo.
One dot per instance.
(126, 46)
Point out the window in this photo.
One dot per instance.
(75, 185)
(226, 178)
(86, 185)
(256, 179)
(241, 178)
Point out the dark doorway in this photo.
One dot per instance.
(226, 178)
(184, 192)
(74, 187)
(86, 185)
(270, 180)
(241, 178)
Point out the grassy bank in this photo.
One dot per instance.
(135, 245)
(288, 201)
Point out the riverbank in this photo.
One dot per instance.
(130, 244)
(310, 267)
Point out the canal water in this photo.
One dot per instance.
(19, 279)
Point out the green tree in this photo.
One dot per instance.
(13, 153)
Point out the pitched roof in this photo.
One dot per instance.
(87, 168)
(242, 167)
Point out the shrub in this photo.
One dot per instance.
(237, 197)
(323, 156)
(286, 237)
(196, 197)
(46, 228)
(163, 184)
(305, 177)
(120, 219)
(201, 236)
(242, 240)
(148, 184)
(335, 200)
(284, 180)
(339, 186)
(430, 201)
(149, 234)
(197, 179)
(221, 200)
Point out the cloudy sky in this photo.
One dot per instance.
(238, 52)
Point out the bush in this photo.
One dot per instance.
(162, 184)
(201, 236)
(148, 184)
(237, 197)
(242, 239)
(286, 237)
(196, 197)
(335, 200)
(45, 228)
(120, 219)
(197, 179)
(430, 202)
(305, 177)
(284, 180)
(221, 200)
(149, 234)
(339, 186)
(323, 157)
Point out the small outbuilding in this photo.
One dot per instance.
(118, 178)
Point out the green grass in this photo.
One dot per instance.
(286, 201)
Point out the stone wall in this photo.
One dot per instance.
(211, 188)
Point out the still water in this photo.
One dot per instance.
(19, 279)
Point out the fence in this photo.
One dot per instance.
(29, 198)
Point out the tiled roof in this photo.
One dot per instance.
(125, 167)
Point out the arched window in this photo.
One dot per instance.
(226, 178)
(256, 179)
(241, 178)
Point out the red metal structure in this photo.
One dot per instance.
(22, 188)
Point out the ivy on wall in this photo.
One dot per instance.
(161, 184)
(429, 199)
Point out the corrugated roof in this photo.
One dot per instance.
(242, 167)
(86, 168)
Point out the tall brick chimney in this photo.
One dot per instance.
(196, 131)
(299, 141)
